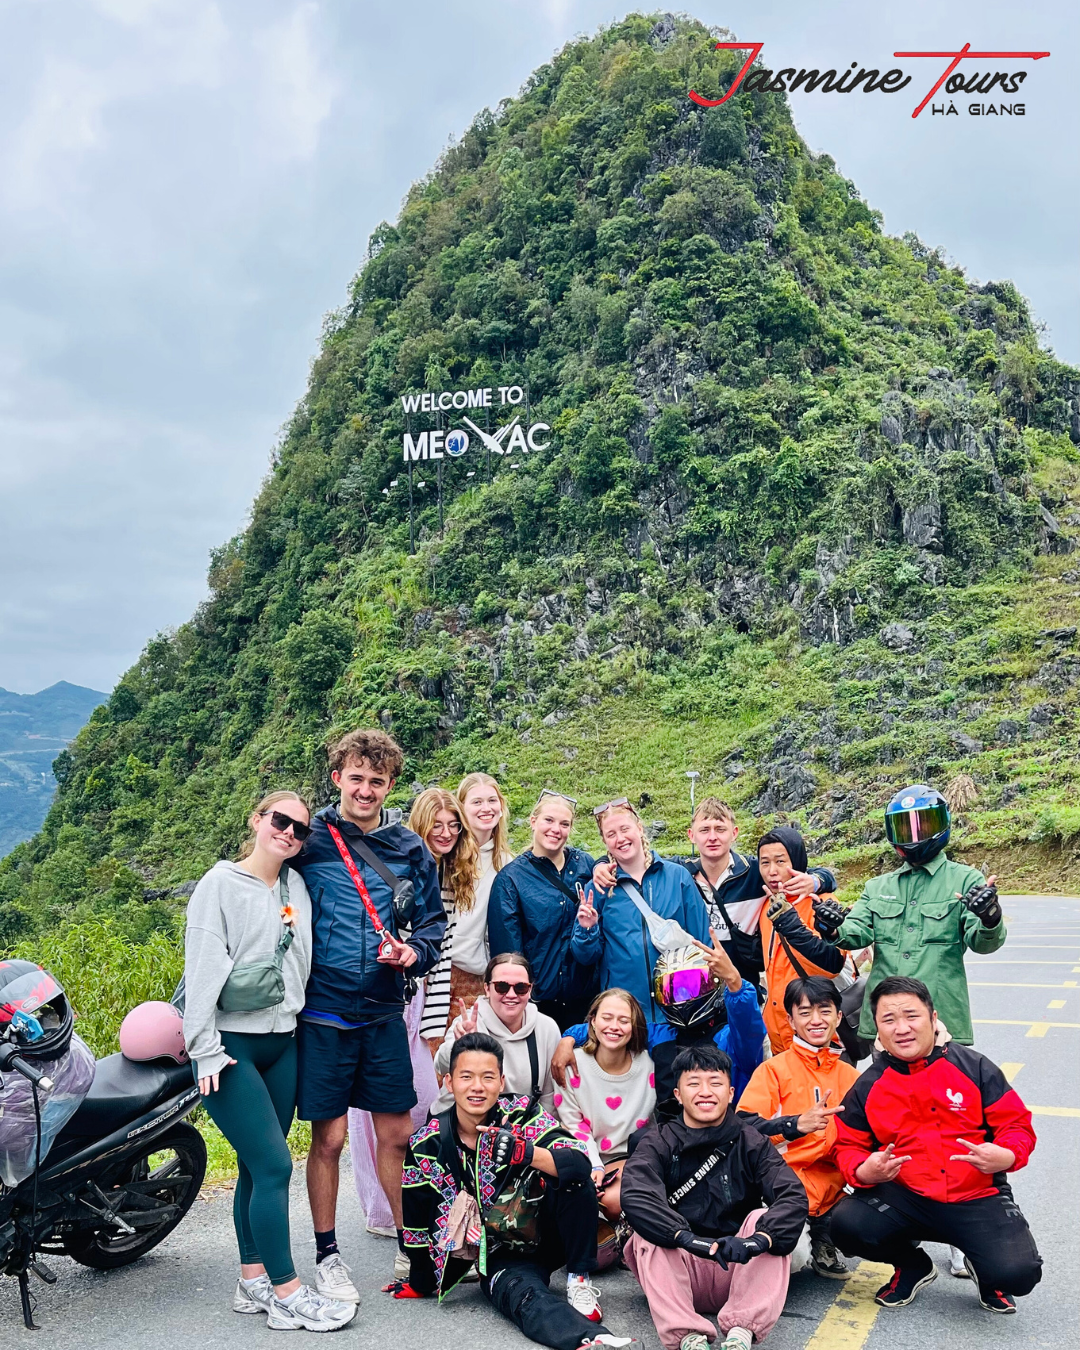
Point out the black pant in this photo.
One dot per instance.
(567, 1012)
(884, 1222)
(518, 1288)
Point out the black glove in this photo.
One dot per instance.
(740, 1250)
(703, 1247)
(509, 1149)
(982, 900)
(779, 904)
(828, 916)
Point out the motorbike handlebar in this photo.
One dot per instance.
(12, 1062)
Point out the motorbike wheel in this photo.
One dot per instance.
(167, 1173)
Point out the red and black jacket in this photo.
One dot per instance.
(923, 1109)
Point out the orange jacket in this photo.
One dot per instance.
(779, 972)
(785, 1086)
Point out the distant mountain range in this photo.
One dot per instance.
(34, 728)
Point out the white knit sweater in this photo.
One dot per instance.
(602, 1109)
(470, 948)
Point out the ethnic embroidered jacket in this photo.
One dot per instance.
(430, 1182)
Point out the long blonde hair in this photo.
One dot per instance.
(459, 870)
(500, 854)
(267, 804)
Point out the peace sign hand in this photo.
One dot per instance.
(879, 1167)
(466, 1023)
(720, 963)
(818, 1115)
(985, 1157)
(587, 916)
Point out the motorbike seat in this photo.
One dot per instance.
(123, 1090)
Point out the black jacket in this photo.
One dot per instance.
(744, 883)
(749, 1174)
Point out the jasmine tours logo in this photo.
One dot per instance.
(866, 80)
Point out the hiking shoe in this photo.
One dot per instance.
(958, 1264)
(255, 1297)
(993, 1300)
(825, 1260)
(584, 1297)
(694, 1340)
(308, 1311)
(332, 1279)
(907, 1281)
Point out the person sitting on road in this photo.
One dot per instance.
(716, 1213)
(506, 1012)
(612, 1092)
(793, 948)
(926, 1139)
(922, 918)
(532, 906)
(612, 929)
(789, 1099)
(704, 1000)
(456, 1170)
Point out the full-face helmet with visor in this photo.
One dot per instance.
(917, 823)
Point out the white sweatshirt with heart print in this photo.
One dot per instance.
(602, 1109)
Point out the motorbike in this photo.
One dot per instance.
(119, 1177)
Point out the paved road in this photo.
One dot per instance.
(1027, 1004)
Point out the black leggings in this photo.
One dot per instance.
(519, 1288)
(884, 1222)
(253, 1108)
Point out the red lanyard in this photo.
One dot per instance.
(358, 881)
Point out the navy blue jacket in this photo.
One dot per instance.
(530, 912)
(346, 979)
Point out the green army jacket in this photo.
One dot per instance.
(919, 927)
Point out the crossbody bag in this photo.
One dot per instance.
(260, 984)
(386, 947)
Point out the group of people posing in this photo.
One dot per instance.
(618, 1057)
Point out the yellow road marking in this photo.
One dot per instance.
(1044, 946)
(1054, 1110)
(997, 961)
(1038, 1028)
(1010, 1070)
(1068, 984)
(851, 1316)
(1056, 1003)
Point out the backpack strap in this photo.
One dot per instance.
(534, 1067)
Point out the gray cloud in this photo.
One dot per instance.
(186, 187)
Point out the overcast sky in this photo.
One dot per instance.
(186, 188)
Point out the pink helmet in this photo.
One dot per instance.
(153, 1031)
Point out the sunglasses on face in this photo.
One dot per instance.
(281, 821)
(503, 987)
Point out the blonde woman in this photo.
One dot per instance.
(486, 812)
(438, 819)
(242, 913)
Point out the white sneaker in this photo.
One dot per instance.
(255, 1297)
(583, 1297)
(376, 1231)
(605, 1341)
(308, 1311)
(332, 1279)
(956, 1264)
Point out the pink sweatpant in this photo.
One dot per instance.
(680, 1287)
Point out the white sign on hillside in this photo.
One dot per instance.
(514, 435)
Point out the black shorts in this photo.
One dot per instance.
(369, 1068)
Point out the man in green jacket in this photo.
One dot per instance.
(922, 917)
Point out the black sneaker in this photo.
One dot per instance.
(993, 1300)
(825, 1260)
(907, 1281)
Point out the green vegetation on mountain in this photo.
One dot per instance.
(802, 526)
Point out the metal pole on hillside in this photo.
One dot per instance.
(412, 544)
(693, 775)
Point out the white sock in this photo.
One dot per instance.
(741, 1335)
(250, 1284)
(289, 1299)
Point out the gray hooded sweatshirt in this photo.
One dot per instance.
(233, 918)
(517, 1068)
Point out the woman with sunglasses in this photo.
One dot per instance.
(436, 817)
(611, 930)
(528, 1037)
(241, 913)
